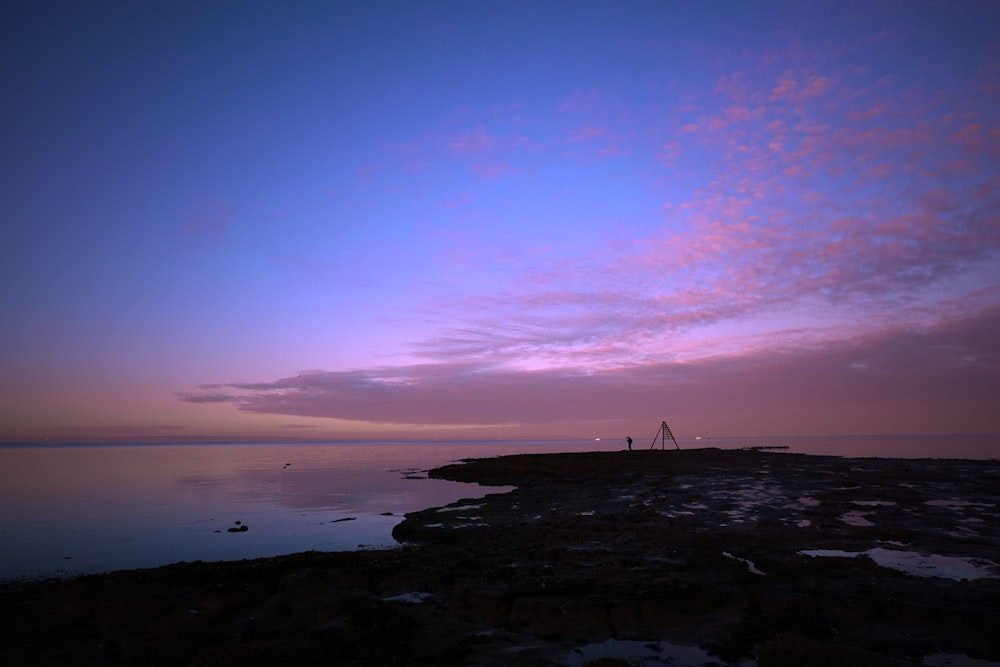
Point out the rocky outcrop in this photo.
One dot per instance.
(597, 551)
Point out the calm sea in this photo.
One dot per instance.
(73, 509)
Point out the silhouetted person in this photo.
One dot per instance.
(628, 439)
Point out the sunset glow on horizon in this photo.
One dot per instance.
(499, 220)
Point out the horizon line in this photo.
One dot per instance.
(253, 440)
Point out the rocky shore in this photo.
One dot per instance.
(607, 558)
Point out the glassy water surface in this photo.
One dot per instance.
(86, 508)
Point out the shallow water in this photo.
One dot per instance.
(647, 653)
(69, 510)
(88, 508)
(911, 562)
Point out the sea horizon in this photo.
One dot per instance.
(932, 445)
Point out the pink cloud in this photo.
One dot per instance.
(880, 171)
(817, 86)
(959, 167)
(812, 127)
(716, 124)
(798, 87)
(885, 382)
(741, 114)
(812, 197)
(876, 111)
(669, 152)
(977, 138)
(814, 157)
(785, 89)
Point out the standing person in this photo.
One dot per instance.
(628, 439)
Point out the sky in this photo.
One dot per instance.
(444, 219)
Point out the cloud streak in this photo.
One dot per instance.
(875, 382)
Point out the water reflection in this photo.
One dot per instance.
(68, 510)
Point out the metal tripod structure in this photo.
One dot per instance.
(663, 433)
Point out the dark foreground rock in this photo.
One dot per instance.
(593, 556)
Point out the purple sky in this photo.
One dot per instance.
(479, 219)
